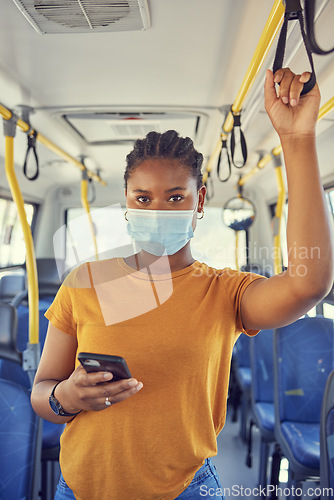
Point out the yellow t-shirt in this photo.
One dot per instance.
(176, 333)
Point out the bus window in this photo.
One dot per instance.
(12, 248)
(214, 243)
(328, 310)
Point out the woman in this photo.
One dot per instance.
(151, 437)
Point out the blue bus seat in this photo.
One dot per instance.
(49, 282)
(303, 359)
(327, 439)
(241, 377)
(10, 286)
(262, 395)
(20, 443)
(242, 356)
(8, 334)
(242, 373)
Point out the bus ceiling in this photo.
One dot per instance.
(93, 93)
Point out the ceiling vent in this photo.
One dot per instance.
(116, 127)
(85, 16)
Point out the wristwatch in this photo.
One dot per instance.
(56, 407)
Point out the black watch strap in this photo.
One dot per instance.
(56, 405)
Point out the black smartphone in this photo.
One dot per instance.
(105, 363)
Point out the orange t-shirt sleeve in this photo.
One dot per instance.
(60, 313)
(236, 283)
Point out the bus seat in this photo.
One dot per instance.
(10, 286)
(240, 378)
(19, 441)
(327, 439)
(262, 401)
(19, 425)
(48, 282)
(303, 359)
(8, 334)
(242, 373)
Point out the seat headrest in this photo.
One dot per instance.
(48, 276)
(11, 285)
(8, 333)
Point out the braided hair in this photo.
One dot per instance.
(167, 145)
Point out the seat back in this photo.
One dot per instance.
(8, 334)
(48, 282)
(11, 285)
(48, 277)
(327, 437)
(10, 357)
(262, 359)
(303, 358)
(241, 350)
(18, 443)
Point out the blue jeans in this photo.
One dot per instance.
(204, 484)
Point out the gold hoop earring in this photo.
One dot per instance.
(125, 216)
(199, 218)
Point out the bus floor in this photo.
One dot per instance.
(236, 478)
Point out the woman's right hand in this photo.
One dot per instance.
(89, 391)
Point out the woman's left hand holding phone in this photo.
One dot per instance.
(77, 389)
(89, 391)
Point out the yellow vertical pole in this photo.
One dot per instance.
(29, 244)
(85, 204)
(278, 214)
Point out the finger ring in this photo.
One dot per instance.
(107, 402)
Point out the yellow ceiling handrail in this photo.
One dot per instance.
(324, 110)
(268, 35)
(25, 127)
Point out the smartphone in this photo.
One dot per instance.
(105, 363)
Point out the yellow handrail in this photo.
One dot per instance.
(326, 108)
(29, 244)
(85, 204)
(25, 127)
(268, 35)
(278, 217)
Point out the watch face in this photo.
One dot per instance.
(54, 406)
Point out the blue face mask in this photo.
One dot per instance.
(160, 231)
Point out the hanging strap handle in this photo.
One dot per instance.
(293, 12)
(309, 23)
(237, 124)
(227, 155)
(93, 191)
(209, 192)
(31, 146)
